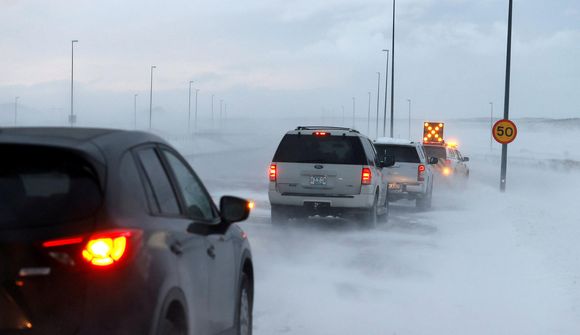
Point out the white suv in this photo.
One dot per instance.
(411, 176)
(327, 171)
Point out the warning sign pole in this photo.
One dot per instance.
(506, 105)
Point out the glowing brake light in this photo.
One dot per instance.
(99, 249)
(420, 172)
(107, 248)
(62, 242)
(273, 172)
(367, 176)
(320, 133)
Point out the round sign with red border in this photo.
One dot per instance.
(504, 131)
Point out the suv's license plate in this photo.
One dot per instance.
(317, 180)
(394, 187)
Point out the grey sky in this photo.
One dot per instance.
(274, 57)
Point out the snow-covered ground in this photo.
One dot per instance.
(480, 262)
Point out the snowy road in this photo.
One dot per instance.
(479, 262)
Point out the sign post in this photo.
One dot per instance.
(506, 106)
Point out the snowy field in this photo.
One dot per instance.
(479, 262)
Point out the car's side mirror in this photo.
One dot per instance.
(433, 160)
(234, 209)
(466, 159)
(388, 161)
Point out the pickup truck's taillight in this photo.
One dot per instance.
(421, 172)
(273, 172)
(366, 176)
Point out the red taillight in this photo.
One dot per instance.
(273, 172)
(62, 242)
(320, 133)
(366, 177)
(420, 171)
(102, 249)
(106, 248)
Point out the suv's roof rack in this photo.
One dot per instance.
(326, 127)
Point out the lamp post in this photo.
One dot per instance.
(212, 96)
(490, 127)
(151, 97)
(369, 117)
(353, 113)
(72, 69)
(221, 109)
(195, 126)
(135, 110)
(386, 85)
(409, 101)
(189, 108)
(393, 71)
(378, 101)
(16, 110)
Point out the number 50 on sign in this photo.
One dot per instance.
(504, 131)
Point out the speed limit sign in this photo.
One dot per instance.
(504, 131)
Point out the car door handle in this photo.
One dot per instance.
(176, 248)
(211, 252)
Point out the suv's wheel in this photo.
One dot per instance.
(278, 215)
(370, 218)
(385, 217)
(425, 202)
(244, 316)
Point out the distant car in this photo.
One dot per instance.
(112, 232)
(451, 162)
(327, 171)
(411, 176)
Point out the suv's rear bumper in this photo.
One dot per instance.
(409, 191)
(363, 200)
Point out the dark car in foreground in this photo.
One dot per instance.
(112, 232)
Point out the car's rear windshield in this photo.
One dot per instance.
(438, 152)
(402, 153)
(42, 186)
(295, 148)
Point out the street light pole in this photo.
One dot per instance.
(490, 127)
(16, 111)
(135, 110)
(221, 108)
(393, 71)
(378, 101)
(369, 117)
(72, 69)
(409, 101)
(189, 108)
(386, 85)
(353, 113)
(195, 126)
(151, 97)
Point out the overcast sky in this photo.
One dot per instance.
(288, 57)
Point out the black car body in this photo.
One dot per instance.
(111, 232)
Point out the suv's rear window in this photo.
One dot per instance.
(320, 149)
(45, 186)
(438, 152)
(402, 153)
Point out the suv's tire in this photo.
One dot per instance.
(278, 216)
(244, 316)
(385, 217)
(424, 203)
(370, 218)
